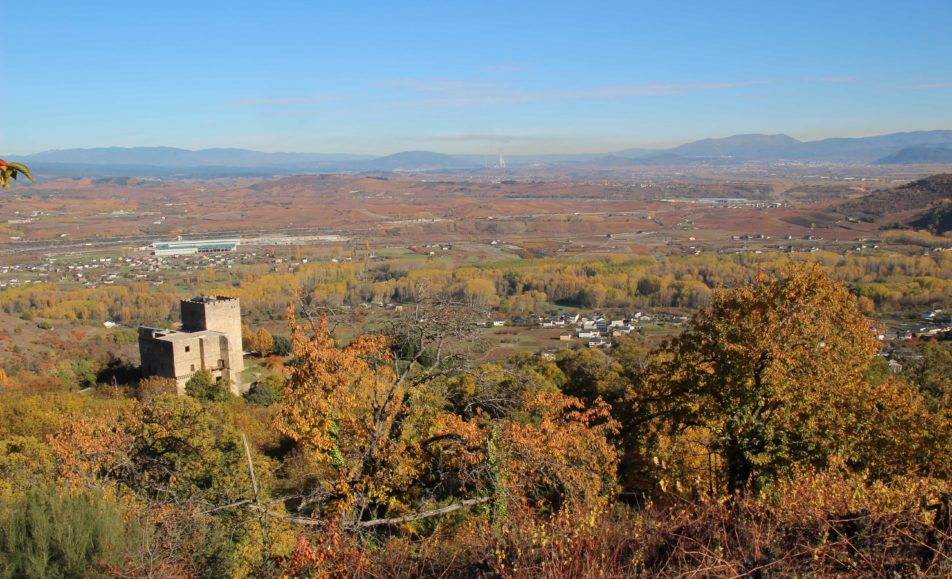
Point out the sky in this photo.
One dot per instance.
(466, 77)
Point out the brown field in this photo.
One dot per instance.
(406, 219)
(541, 217)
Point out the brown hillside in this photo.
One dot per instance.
(922, 195)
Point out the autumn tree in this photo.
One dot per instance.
(591, 373)
(25, 463)
(152, 386)
(168, 447)
(340, 405)
(480, 292)
(931, 371)
(265, 342)
(592, 296)
(358, 410)
(765, 375)
(247, 337)
(397, 428)
(526, 442)
(173, 463)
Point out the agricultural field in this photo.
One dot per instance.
(520, 250)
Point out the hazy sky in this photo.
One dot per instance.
(474, 76)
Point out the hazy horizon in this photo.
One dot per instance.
(499, 150)
(474, 79)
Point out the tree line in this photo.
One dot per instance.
(884, 282)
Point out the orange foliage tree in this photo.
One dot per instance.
(391, 436)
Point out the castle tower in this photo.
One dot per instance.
(218, 314)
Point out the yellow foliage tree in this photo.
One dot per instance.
(769, 372)
(263, 342)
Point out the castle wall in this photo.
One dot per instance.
(202, 352)
(156, 355)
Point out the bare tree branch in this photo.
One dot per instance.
(424, 514)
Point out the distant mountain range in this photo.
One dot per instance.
(750, 147)
(415, 161)
(909, 147)
(172, 157)
(764, 148)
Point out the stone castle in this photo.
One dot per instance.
(210, 339)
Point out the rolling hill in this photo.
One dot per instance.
(922, 204)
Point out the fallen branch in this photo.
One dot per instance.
(423, 515)
(288, 518)
(360, 524)
(225, 507)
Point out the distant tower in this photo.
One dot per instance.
(218, 314)
(210, 340)
(502, 161)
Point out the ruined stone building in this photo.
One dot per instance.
(210, 339)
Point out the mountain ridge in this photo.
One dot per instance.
(918, 155)
(752, 147)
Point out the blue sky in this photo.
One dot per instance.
(475, 77)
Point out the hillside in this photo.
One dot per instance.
(927, 200)
(744, 146)
(869, 149)
(611, 161)
(937, 220)
(920, 154)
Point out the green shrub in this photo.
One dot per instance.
(204, 387)
(48, 534)
(282, 346)
(265, 392)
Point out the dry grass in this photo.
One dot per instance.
(816, 525)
